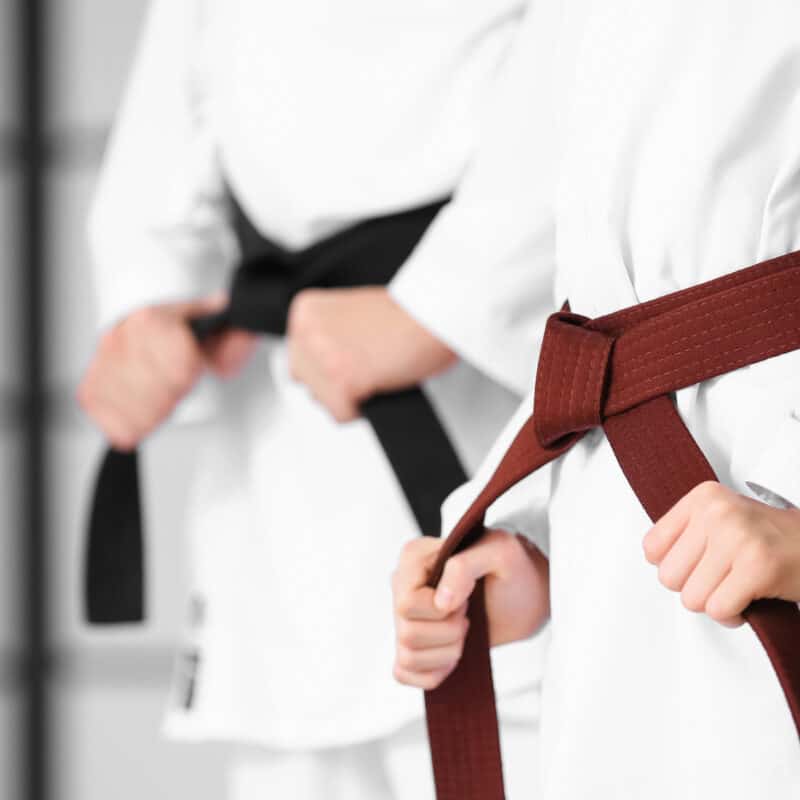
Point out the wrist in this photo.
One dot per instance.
(791, 521)
(414, 354)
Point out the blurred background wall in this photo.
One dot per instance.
(105, 688)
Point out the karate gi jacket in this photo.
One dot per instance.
(667, 154)
(316, 115)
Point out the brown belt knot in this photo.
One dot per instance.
(571, 378)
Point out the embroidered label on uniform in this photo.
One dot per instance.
(187, 667)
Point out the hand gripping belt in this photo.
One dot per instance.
(617, 372)
(405, 424)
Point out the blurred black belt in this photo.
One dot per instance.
(268, 277)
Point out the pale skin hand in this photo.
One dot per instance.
(721, 551)
(431, 626)
(346, 345)
(148, 362)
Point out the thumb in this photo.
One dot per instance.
(463, 571)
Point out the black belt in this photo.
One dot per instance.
(410, 434)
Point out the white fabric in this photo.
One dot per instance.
(676, 135)
(318, 114)
(397, 767)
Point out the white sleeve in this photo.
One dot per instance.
(522, 509)
(158, 225)
(766, 455)
(481, 278)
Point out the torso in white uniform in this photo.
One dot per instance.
(317, 115)
(679, 160)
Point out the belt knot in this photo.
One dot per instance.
(571, 378)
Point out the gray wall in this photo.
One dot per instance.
(108, 686)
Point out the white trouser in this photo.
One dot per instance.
(396, 767)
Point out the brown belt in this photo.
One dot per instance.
(617, 372)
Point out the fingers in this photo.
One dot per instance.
(692, 557)
(422, 680)
(428, 651)
(465, 569)
(731, 597)
(413, 567)
(429, 640)
(432, 625)
(722, 551)
(323, 351)
(413, 599)
(170, 353)
(142, 368)
(412, 634)
(682, 558)
(429, 659)
(712, 569)
(666, 531)
(324, 372)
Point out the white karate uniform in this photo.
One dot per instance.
(672, 129)
(317, 115)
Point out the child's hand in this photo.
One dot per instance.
(345, 345)
(431, 626)
(148, 362)
(721, 551)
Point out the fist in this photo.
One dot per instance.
(147, 363)
(346, 345)
(721, 551)
(431, 625)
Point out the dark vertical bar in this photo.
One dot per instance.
(32, 262)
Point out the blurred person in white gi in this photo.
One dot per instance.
(667, 154)
(314, 116)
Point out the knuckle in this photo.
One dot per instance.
(756, 554)
(406, 658)
(403, 606)
(761, 561)
(409, 549)
(400, 676)
(405, 634)
(335, 367)
(718, 611)
(707, 492)
(692, 601)
(651, 549)
(668, 577)
(715, 510)
(726, 518)
(430, 681)
(302, 312)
